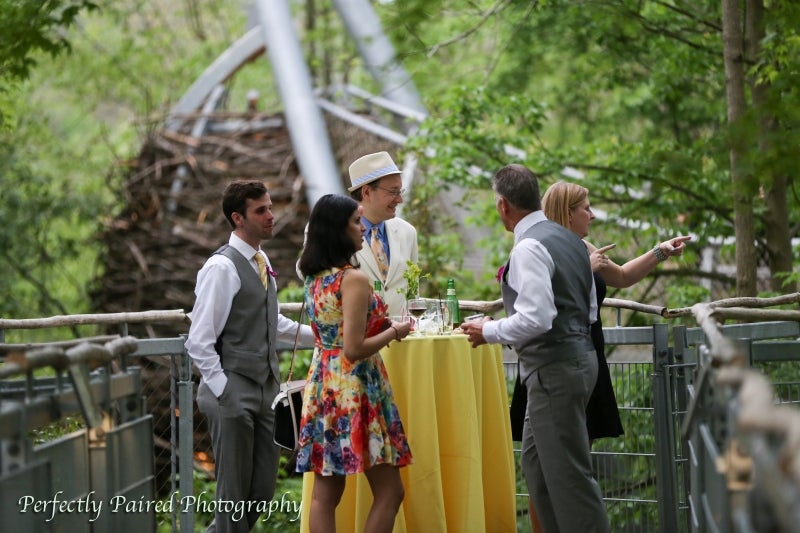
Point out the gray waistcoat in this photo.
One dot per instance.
(246, 345)
(572, 285)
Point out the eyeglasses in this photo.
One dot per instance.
(394, 193)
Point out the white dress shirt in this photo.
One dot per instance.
(532, 267)
(217, 283)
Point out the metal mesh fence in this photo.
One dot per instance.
(161, 404)
(625, 466)
(676, 377)
(785, 378)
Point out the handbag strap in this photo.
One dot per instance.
(296, 337)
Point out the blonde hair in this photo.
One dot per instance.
(560, 198)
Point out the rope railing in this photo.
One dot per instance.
(176, 315)
(745, 308)
(731, 308)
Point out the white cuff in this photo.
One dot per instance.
(217, 384)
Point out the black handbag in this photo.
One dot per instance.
(288, 404)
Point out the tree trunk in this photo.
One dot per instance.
(743, 191)
(776, 215)
(779, 239)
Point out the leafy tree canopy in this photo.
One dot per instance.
(28, 28)
(630, 93)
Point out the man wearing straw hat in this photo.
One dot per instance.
(389, 242)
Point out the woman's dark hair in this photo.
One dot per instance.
(328, 245)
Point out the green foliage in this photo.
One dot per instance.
(47, 220)
(469, 132)
(137, 57)
(678, 294)
(789, 277)
(80, 116)
(26, 30)
(630, 93)
(30, 27)
(55, 430)
(785, 379)
(292, 292)
(302, 362)
(413, 276)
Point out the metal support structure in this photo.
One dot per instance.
(275, 34)
(215, 98)
(737, 437)
(182, 436)
(685, 360)
(223, 68)
(108, 461)
(666, 488)
(374, 47)
(305, 122)
(186, 433)
(307, 129)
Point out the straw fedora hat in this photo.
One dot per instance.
(371, 167)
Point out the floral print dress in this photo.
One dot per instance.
(350, 421)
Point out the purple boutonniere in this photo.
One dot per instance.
(272, 272)
(500, 272)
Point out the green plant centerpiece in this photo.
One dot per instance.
(412, 275)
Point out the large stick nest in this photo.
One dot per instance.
(172, 217)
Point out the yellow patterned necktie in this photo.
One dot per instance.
(262, 268)
(379, 251)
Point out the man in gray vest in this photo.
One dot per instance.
(235, 326)
(549, 297)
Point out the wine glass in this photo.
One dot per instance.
(417, 307)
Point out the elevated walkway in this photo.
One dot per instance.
(711, 426)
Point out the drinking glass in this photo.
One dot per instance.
(431, 322)
(447, 323)
(417, 307)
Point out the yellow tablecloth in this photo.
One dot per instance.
(454, 406)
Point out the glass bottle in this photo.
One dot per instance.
(452, 304)
(447, 324)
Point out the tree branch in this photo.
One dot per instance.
(496, 8)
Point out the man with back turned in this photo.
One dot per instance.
(549, 297)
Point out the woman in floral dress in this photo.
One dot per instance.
(350, 422)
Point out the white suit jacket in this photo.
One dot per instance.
(402, 238)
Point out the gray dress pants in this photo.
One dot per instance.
(556, 458)
(245, 456)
